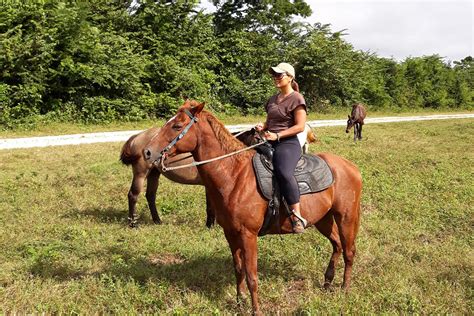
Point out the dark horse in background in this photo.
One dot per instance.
(356, 119)
(132, 154)
(239, 205)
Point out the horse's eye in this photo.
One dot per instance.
(177, 126)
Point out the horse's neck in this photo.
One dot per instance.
(222, 172)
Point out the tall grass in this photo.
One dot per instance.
(66, 248)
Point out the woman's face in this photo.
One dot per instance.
(281, 80)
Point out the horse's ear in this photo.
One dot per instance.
(198, 108)
(349, 117)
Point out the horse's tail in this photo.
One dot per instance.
(310, 136)
(127, 156)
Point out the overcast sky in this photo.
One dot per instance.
(403, 28)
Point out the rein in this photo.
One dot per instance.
(197, 163)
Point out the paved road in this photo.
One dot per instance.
(77, 139)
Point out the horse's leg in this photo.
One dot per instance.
(348, 225)
(236, 248)
(133, 193)
(360, 131)
(153, 181)
(328, 228)
(210, 215)
(249, 243)
(355, 132)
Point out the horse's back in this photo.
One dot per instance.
(143, 138)
(358, 112)
(341, 167)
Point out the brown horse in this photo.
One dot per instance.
(132, 154)
(238, 203)
(356, 119)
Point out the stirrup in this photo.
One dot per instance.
(299, 224)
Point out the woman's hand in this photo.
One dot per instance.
(271, 136)
(259, 127)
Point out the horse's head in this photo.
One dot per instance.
(350, 123)
(178, 135)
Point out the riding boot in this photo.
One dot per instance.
(298, 222)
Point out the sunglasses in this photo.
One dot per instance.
(278, 76)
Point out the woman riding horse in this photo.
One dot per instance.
(240, 206)
(286, 117)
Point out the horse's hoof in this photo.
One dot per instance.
(241, 301)
(210, 222)
(133, 225)
(327, 286)
(157, 221)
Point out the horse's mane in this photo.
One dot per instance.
(228, 142)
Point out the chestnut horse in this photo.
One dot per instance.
(240, 207)
(132, 154)
(356, 119)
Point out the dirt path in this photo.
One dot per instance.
(77, 139)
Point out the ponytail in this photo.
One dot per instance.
(295, 85)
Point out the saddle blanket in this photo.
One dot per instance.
(312, 174)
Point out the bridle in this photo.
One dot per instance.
(194, 119)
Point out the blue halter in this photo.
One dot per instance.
(180, 136)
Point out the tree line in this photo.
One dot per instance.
(105, 60)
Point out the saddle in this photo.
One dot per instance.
(312, 174)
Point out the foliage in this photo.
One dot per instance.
(329, 69)
(109, 60)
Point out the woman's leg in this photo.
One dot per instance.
(286, 156)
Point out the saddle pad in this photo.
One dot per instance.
(312, 174)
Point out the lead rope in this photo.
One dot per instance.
(197, 163)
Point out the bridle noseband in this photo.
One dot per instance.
(194, 119)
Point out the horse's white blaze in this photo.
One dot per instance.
(171, 119)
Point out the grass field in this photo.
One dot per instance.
(65, 246)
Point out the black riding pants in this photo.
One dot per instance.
(285, 157)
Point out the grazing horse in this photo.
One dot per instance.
(132, 154)
(238, 203)
(356, 119)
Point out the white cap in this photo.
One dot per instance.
(283, 68)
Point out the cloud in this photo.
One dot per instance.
(400, 29)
